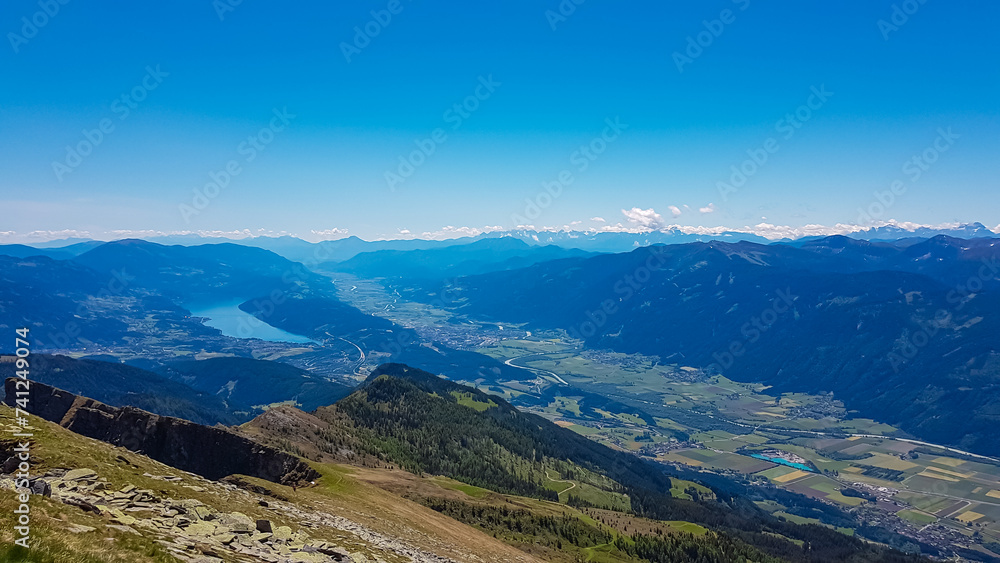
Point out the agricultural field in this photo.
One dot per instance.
(677, 415)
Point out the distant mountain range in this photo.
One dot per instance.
(132, 294)
(339, 250)
(902, 331)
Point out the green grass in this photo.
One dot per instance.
(48, 547)
(594, 495)
(466, 400)
(687, 527)
(472, 491)
(926, 503)
(795, 519)
(680, 486)
(916, 517)
(670, 389)
(775, 472)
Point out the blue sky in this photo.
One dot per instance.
(208, 92)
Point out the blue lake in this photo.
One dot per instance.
(782, 461)
(232, 321)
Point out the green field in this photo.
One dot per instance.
(744, 417)
(916, 517)
(466, 399)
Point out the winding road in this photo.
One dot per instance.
(361, 361)
(572, 484)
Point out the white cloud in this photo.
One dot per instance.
(644, 219)
(710, 208)
(328, 234)
(638, 221)
(44, 236)
(451, 232)
(769, 231)
(675, 210)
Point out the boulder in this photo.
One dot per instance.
(237, 522)
(200, 528)
(80, 475)
(283, 533)
(201, 513)
(40, 487)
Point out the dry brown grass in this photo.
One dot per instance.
(338, 493)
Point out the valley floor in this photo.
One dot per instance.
(675, 414)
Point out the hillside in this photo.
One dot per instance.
(246, 385)
(100, 504)
(56, 297)
(487, 255)
(197, 274)
(326, 318)
(95, 491)
(225, 390)
(122, 385)
(878, 326)
(427, 425)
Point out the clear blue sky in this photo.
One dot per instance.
(893, 89)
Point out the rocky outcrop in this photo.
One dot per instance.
(196, 532)
(212, 452)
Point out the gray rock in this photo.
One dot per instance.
(237, 522)
(224, 539)
(10, 464)
(80, 475)
(40, 487)
(201, 512)
(283, 533)
(201, 528)
(124, 529)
